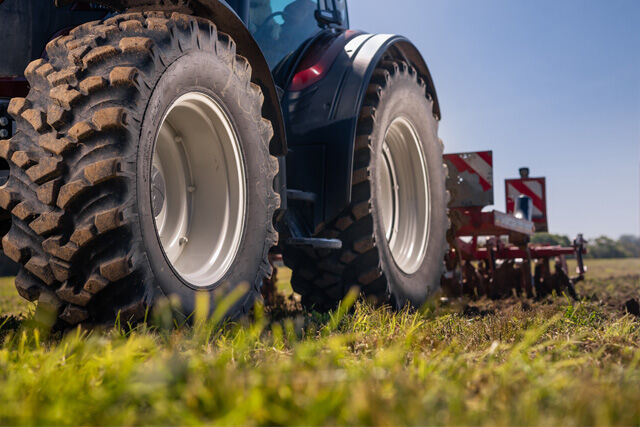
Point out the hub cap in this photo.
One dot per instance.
(404, 195)
(198, 189)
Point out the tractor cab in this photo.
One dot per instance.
(281, 26)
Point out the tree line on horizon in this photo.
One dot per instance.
(627, 246)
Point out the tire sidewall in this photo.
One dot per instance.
(404, 97)
(203, 72)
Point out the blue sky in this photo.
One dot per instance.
(553, 85)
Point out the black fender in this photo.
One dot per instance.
(229, 22)
(322, 118)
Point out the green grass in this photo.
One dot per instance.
(513, 362)
(10, 302)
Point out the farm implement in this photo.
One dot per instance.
(490, 253)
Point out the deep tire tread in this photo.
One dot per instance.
(72, 181)
(358, 262)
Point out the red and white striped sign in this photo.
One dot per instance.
(479, 163)
(535, 188)
(471, 178)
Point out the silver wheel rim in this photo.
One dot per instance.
(199, 190)
(404, 195)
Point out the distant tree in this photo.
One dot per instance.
(627, 246)
(551, 239)
(605, 247)
(631, 244)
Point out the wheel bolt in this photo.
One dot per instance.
(183, 241)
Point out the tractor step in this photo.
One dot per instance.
(303, 196)
(314, 243)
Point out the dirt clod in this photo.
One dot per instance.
(633, 307)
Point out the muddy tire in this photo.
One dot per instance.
(394, 232)
(83, 164)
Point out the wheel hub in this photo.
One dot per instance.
(157, 191)
(198, 189)
(404, 200)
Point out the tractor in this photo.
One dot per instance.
(169, 147)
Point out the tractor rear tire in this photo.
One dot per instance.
(84, 190)
(394, 231)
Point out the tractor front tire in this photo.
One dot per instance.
(394, 231)
(140, 168)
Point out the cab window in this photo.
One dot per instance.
(281, 26)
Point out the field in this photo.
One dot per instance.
(512, 362)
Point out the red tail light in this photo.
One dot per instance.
(307, 77)
(319, 59)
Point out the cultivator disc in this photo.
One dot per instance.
(510, 277)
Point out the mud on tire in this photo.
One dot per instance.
(74, 188)
(365, 261)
